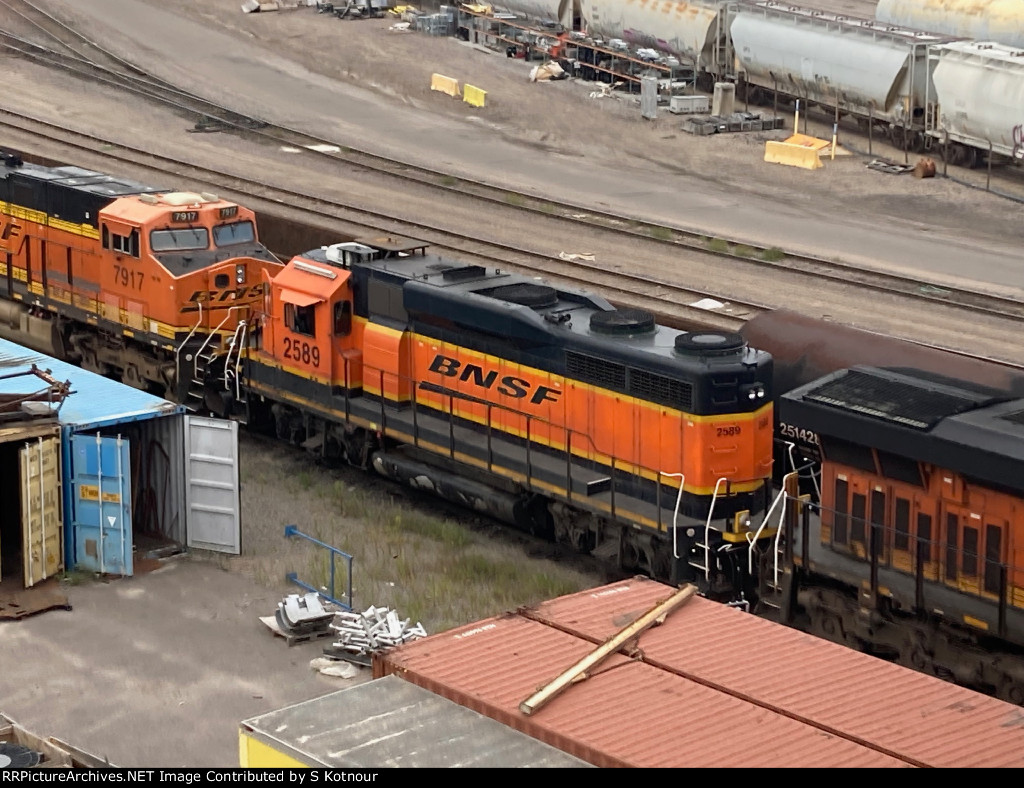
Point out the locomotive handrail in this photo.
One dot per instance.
(199, 322)
(237, 341)
(675, 514)
(764, 524)
(707, 529)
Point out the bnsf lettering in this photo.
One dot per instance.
(508, 385)
(216, 296)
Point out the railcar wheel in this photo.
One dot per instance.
(1011, 691)
(969, 157)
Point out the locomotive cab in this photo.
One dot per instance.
(208, 254)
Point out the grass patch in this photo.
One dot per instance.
(742, 250)
(718, 245)
(76, 577)
(773, 254)
(661, 233)
(434, 569)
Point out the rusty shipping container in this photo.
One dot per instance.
(921, 719)
(626, 713)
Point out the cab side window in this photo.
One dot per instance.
(125, 244)
(300, 319)
(342, 318)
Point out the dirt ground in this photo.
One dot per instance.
(562, 117)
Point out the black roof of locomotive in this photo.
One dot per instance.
(438, 289)
(954, 424)
(89, 181)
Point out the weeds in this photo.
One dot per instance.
(718, 245)
(514, 199)
(773, 254)
(429, 568)
(449, 180)
(742, 250)
(661, 233)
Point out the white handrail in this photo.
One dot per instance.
(236, 344)
(707, 530)
(764, 524)
(199, 322)
(675, 514)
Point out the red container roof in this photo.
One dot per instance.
(627, 713)
(920, 718)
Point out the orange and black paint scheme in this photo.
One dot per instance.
(920, 533)
(593, 423)
(152, 269)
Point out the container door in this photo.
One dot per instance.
(101, 500)
(212, 509)
(42, 526)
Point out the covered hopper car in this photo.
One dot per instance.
(1001, 21)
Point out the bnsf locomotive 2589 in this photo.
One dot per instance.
(546, 407)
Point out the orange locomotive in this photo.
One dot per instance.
(917, 549)
(150, 285)
(545, 407)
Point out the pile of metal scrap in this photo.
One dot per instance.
(360, 635)
(302, 618)
(736, 121)
(37, 401)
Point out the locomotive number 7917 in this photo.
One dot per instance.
(298, 350)
(128, 278)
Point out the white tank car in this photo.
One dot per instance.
(694, 32)
(980, 92)
(560, 11)
(980, 20)
(865, 68)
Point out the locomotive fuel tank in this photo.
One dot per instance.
(805, 349)
(980, 20)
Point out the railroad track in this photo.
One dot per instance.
(696, 245)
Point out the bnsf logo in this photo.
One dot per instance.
(217, 296)
(508, 385)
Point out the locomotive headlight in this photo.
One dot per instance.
(753, 392)
(240, 274)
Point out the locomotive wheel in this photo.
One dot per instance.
(1011, 691)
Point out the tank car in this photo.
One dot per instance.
(147, 284)
(979, 20)
(916, 551)
(877, 73)
(543, 406)
(979, 88)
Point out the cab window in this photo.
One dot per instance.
(179, 240)
(300, 319)
(125, 244)
(234, 233)
(342, 318)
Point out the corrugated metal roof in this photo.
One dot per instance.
(95, 401)
(858, 696)
(626, 713)
(392, 723)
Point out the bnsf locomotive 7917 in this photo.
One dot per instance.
(150, 285)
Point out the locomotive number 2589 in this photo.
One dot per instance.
(301, 351)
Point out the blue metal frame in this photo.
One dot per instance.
(293, 530)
